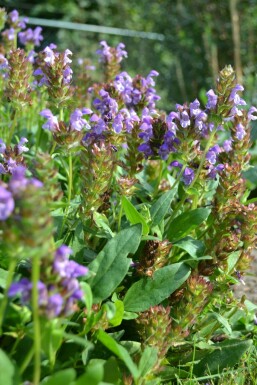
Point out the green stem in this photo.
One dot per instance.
(53, 148)
(120, 216)
(36, 320)
(5, 297)
(70, 182)
(26, 361)
(12, 128)
(70, 179)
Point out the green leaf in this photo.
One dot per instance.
(150, 291)
(112, 372)
(65, 376)
(223, 321)
(102, 223)
(192, 246)
(232, 260)
(117, 319)
(160, 208)
(133, 216)
(94, 373)
(88, 297)
(111, 264)
(119, 350)
(147, 360)
(3, 277)
(227, 354)
(186, 222)
(6, 369)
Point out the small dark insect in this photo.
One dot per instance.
(114, 148)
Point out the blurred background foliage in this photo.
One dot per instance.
(201, 37)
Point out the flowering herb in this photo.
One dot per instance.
(151, 205)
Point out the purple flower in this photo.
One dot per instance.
(149, 78)
(107, 106)
(120, 52)
(6, 203)
(240, 131)
(19, 182)
(9, 34)
(54, 305)
(67, 75)
(146, 149)
(188, 176)
(118, 123)
(184, 119)
(200, 121)
(213, 170)
(11, 165)
(104, 52)
(2, 169)
(24, 286)
(235, 97)
(211, 156)
(52, 123)
(76, 270)
(2, 147)
(252, 113)
(108, 54)
(212, 100)
(31, 36)
(175, 163)
(13, 16)
(49, 56)
(98, 124)
(77, 123)
(227, 145)
(21, 145)
(66, 59)
(194, 108)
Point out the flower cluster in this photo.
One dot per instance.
(31, 37)
(12, 157)
(109, 54)
(59, 291)
(16, 24)
(9, 193)
(69, 133)
(54, 72)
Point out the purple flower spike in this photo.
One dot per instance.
(6, 203)
(31, 36)
(188, 176)
(212, 100)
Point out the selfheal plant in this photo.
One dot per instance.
(123, 228)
